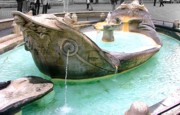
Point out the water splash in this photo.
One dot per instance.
(108, 19)
(63, 110)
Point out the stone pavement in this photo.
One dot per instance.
(169, 12)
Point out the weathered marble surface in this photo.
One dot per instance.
(16, 93)
(168, 106)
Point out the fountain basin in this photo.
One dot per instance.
(151, 82)
(122, 90)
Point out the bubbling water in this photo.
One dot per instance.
(63, 110)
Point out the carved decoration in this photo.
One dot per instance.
(68, 45)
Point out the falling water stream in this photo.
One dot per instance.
(65, 83)
(65, 5)
(125, 27)
(65, 109)
(116, 70)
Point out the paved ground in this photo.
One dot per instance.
(169, 12)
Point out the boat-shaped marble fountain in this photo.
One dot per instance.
(117, 41)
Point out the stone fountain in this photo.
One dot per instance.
(51, 38)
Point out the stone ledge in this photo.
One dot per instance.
(8, 37)
(10, 44)
(6, 23)
(6, 20)
(169, 106)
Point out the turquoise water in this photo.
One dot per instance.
(123, 41)
(150, 83)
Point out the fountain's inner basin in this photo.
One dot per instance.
(127, 42)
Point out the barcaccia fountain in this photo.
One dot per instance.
(123, 40)
(86, 56)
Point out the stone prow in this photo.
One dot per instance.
(64, 35)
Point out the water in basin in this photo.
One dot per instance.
(123, 41)
(150, 83)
